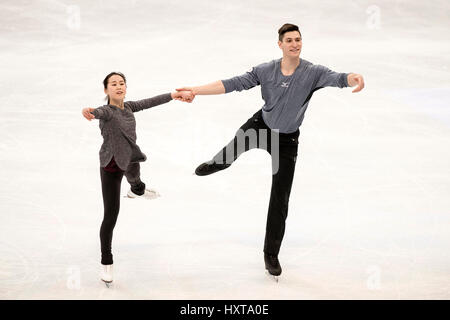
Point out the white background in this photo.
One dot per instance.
(369, 209)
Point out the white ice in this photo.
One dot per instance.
(369, 214)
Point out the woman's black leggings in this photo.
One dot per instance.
(111, 201)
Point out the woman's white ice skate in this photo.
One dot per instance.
(148, 194)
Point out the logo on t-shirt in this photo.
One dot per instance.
(285, 84)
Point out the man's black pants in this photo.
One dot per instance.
(283, 150)
(111, 203)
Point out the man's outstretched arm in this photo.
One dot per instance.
(354, 79)
(207, 89)
(246, 81)
(329, 78)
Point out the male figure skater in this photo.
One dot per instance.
(287, 85)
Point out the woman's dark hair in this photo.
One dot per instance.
(105, 82)
(287, 27)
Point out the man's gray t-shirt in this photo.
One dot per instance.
(286, 97)
(118, 127)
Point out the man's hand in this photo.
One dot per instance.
(86, 112)
(191, 89)
(185, 96)
(355, 79)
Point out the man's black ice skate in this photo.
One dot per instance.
(210, 167)
(272, 265)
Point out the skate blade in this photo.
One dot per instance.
(108, 284)
(272, 277)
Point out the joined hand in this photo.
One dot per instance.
(183, 95)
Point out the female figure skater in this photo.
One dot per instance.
(120, 155)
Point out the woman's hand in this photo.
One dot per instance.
(86, 112)
(185, 96)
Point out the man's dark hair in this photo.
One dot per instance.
(287, 27)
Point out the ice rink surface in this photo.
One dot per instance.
(369, 214)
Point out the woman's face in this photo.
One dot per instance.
(116, 88)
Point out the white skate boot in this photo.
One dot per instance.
(148, 194)
(107, 274)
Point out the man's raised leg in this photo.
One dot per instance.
(246, 138)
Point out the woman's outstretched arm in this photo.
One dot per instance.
(86, 112)
(98, 113)
(140, 105)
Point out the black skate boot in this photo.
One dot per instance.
(210, 167)
(272, 265)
